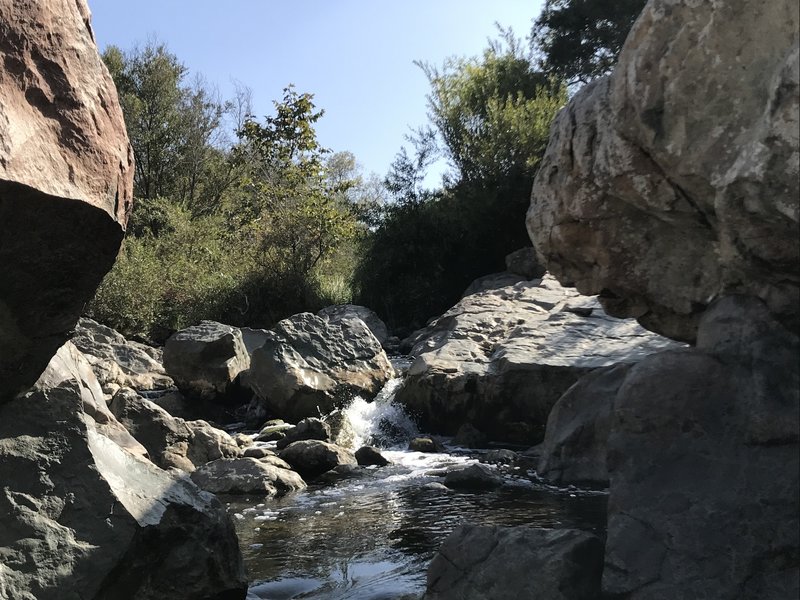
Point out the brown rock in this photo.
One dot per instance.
(66, 171)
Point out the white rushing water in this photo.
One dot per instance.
(382, 422)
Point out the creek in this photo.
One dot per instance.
(371, 536)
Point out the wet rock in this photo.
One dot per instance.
(499, 563)
(66, 181)
(205, 359)
(473, 477)
(340, 472)
(425, 444)
(246, 476)
(468, 436)
(338, 312)
(575, 444)
(500, 456)
(525, 263)
(118, 361)
(367, 455)
(500, 360)
(704, 464)
(675, 181)
(81, 517)
(273, 430)
(310, 428)
(309, 366)
(342, 432)
(314, 457)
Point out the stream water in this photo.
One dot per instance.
(372, 536)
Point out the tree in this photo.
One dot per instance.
(580, 39)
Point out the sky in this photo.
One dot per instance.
(356, 56)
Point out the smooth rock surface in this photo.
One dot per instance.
(313, 457)
(704, 465)
(500, 359)
(337, 312)
(473, 477)
(80, 517)
(675, 181)
(247, 476)
(501, 563)
(66, 180)
(205, 359)
(368, 456)
(117, 360)
(311, 366)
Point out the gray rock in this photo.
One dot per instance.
(310, 366)
(500, 359)
(205, 359)
(704, 465)
(500, 456)
(116, 360)
(81, 517)
(338, 312)
(246, 476)
(367, 455)
(675, 180)
(575, 443)
(501, 563)
(473, 477)
(176, 404)
(492, 281)
(425, 444)
(469, 436)
(257, 452)
(66, 181)
(309, 428)
(273, 430)
(525, 263)
(314, 457)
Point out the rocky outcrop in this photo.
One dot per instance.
(309, 428)
(171, 442)
(118, 362)
(313, 457)
(310, 365)
(337, 312)
(704, 465)
(675, 181)
(81, 517)
(500, 359)
(247, 476)
(206, 359)
(575, 441)
(499, 563)
(66, 177)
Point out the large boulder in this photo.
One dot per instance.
(575, 441)
(81, 517)
(704, 465)
(337, 312)
(675, 181)
(310, 365)
(500, 359)
(118, 361)
(247, 476)
(314, 457)
(66, 179)
(206, 359)
(499, 563)
(171, 442)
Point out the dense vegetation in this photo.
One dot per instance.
(248, 221)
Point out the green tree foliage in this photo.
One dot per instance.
(490, 118)
(581, 39)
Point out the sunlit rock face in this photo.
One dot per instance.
(66, 178)
(675, 180)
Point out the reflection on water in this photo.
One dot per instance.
(372, 537)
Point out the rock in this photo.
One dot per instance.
(425, 444)
(310, 366)
(500, 359)
(675, 181)
(340, 472)
(205, 359)
(66, 181)
(435, 485)
(525, 263)
(246, 476)
(500, 456)
(493, 281)
(81, 517)
(116, 360)
(257, 452)
(314, 457)
(498, 563)
(468, 436)
(574, 447)
(367, 455)
(175, 404)
(342, 432)
(171, 442)
(704, 464)
(310, 428)
(337, 312)
(473, 477)
(242, 440)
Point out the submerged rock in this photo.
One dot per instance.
(473, 477)
(84, 518)
(500, 359)
(314, 457)
(310, 366)
(500, 563)
(66, 181)
(247, 476)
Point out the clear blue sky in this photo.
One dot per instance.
(355, 56)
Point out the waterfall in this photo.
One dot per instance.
(382, 422)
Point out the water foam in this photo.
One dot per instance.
(382, 422)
